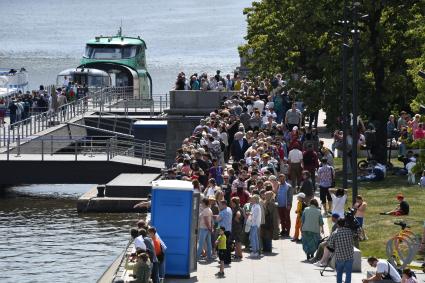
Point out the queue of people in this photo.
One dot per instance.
(23, 105)
(248, 162)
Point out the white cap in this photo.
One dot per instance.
(301, 195)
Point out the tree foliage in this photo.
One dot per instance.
(298, 37)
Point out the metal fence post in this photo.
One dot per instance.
(19, 147)
(108, 149)
(149, 150)
(42, 149)
(8, 148)
(166, 100)
(91, 147)
(51, 144)
(19, 133)
(160, 104)
(75, 149)
(4, 135)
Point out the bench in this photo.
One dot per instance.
(357, 263)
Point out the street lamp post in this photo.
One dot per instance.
(344, 97)
(355, 96)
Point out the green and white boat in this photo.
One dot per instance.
(117, 61)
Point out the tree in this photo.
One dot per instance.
(297, 37)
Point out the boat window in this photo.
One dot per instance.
(110, 52)
(98, 81)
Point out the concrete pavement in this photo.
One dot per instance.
(285, 265)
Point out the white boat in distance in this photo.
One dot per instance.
(12, 81)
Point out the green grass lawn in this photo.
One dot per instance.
(380, 197)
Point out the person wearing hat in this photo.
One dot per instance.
(301, 205)
(401, 209)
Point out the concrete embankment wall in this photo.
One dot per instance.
(186, 109)
(66, 172)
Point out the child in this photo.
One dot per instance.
(221, 246)
(142, 269)
(299, 211)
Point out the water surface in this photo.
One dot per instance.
(44, 239)
(47, 36)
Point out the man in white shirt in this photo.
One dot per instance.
(384, 270)
(295, 158)
(139, 243)
(259, 104)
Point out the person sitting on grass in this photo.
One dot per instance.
(221, 247)
(377, 173)
(401, 209)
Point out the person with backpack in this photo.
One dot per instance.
(384, 271)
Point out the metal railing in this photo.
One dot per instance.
(98, 147)
(104, 100)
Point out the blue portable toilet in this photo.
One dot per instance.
(174, 213)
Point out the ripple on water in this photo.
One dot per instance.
(41, 237)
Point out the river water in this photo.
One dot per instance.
(42, 238)
(47, 36)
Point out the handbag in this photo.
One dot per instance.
(248, 224)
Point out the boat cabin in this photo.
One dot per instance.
(92, 78)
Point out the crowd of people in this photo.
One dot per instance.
(147, 258)
(401, 133)
(270, 92)
(248, 164)
(248, 159)
(23, 105)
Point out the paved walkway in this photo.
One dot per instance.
(285, 265)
